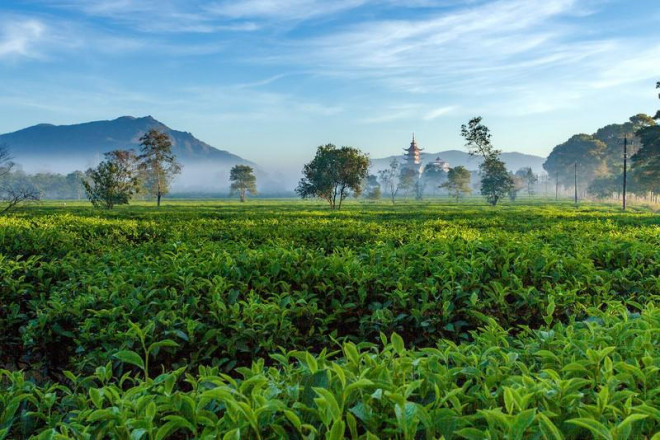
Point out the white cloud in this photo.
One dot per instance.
(21, 38)
(435, 114)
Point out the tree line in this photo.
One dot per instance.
(336, 173)
(125, 173)
(596, 161)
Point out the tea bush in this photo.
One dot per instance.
(281, 320)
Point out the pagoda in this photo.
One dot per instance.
(412, 156)
(440, 165)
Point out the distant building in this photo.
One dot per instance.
(439, 164)
(412, 156)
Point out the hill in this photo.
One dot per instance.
(514, 161)
(65, 148)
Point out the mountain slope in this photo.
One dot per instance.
(65, 148)
(514, 161)
(93, 138)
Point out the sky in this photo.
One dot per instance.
(270, 80)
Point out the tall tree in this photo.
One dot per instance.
(157, 162)
(458, 182)
(389, 177)
(646, 162)
(243, 181)
(333, 174)
(583, 149)
(114, 181)
(495, 179)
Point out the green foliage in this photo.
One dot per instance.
(113, 181)
(372, 188)
(458, 182)
(528, 177)
(599, 157)
(50, 186)
(408, 180)
(243, 180)
(477, 139)
(334, 172)
(157, 163)
(595, 377)
(646, 162)
(495, 179)
(289, 321)
(604, 187)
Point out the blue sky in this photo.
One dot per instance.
(272, 79)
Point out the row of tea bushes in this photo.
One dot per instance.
(598, 378)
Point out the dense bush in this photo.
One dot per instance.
(230, 317)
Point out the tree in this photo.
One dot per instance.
(243, 180)
(477, 139)
(529, 179)
(390, 178)
(372, 188)
(495, 179)
(74, 182)
(333, 174)
(518, 185)
(646, 162)
(458, 182)
(408, 180)
(604, 187)
(13, 194)
(157, 162)
(582, 149)
(114, 181)
(433, 176)
(657, 114)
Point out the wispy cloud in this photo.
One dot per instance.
(282, 9)
(199, 16)
(438, 112)
(21, 37)
(505, 49)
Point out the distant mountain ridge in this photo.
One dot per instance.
(513, 160)
(99, 137)
(65, 148)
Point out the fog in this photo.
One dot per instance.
(195, 177)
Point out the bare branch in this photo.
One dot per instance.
(12, 197)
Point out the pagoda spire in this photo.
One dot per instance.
(412, 155)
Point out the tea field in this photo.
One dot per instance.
(268, 320)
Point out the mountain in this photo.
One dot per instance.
(65, 148)
(514, 161)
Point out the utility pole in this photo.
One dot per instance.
(576, 191)
(557, 186)
(625, 168)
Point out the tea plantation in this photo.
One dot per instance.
(275, 320)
